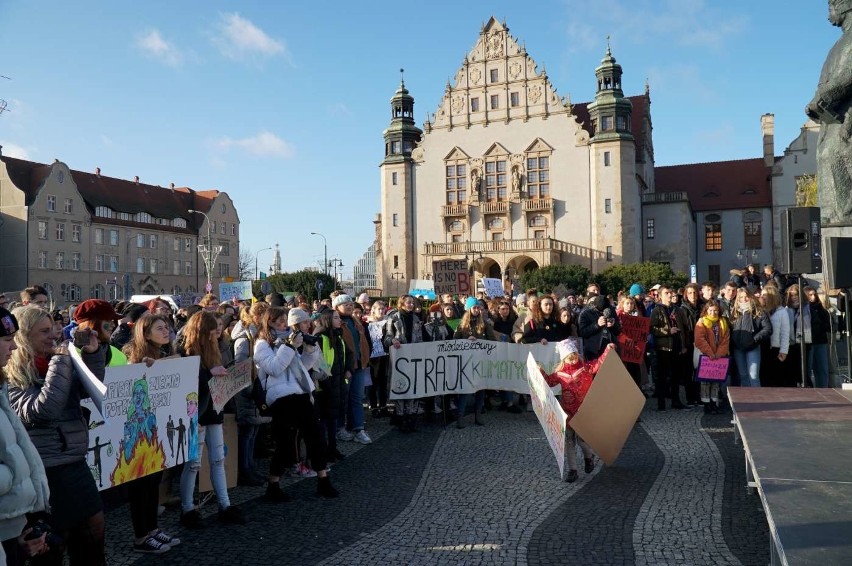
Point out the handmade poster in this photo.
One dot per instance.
(225, 387)
(493, 287)
(229, 430)
(239, 290)
(377, 347)
(712, 370)
(148, 421)
(633, 338)
(94, 387)
(550, 414)
(451, 276)
(609, 411)
(464, 366)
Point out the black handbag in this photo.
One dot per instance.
(258, 396)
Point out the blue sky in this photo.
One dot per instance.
(282, 105)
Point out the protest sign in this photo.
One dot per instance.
(239, 290)
(94, 387)
(610, 409)
(464, 366)
(633, 338)
(229, 432)
(376, 330)
(451, 276)
(142, 407)
(493, 287)
(550, 414)
(225, 387)
(712, 370)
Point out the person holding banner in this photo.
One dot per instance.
(151, 342)
(25, 489)
(575, 377)
(45, 390)
(473, 326)
(712, 339)
(201, 339)
(542, 326)
(405, 327)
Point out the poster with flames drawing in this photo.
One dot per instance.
(149, 421)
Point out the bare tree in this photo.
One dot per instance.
(246, 265)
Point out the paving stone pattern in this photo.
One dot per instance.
(492, 495)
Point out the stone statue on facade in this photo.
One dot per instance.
(832, 107)
(475, 182)
(516, 182)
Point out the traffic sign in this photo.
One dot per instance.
(319, 285)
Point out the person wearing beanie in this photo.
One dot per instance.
(99, 317)
(364, 301)
(636, 290)
(351, 424)
(26, 489)
(124, 332)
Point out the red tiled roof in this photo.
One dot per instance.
(118, 194)
(721, 185)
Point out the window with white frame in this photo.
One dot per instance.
(103, 211)
(113, 237)
(650, 230)
(226, 247)
(99, 262)
(76, 231)
(42, 259)
(176, 244)
(51, 203)
(98, 292)
(187, 268)
(187, 244)
(140, 240)
(224, 269)
(152, 265)
(69, 206)
(152, 239)
(99, 235)
(42, 229)
(213, 224)
(60, 260)
(143, 217)
(60, 231)
(74, 293)
(223, 227)
(179, 223)
(113, 263)
(75, 261)
(140, 265)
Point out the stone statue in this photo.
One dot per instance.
(475, 181)
(831, 107)
(516, 181)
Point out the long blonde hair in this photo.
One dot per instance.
(21, 370)
(754, 307)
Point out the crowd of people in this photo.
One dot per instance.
(318, 367)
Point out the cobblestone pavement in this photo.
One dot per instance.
(492, 495)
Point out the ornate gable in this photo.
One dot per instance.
(456, 154)
(539, 145)
(496, 149)
(497, 82)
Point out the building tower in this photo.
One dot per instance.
(615, 199)
(398, 262)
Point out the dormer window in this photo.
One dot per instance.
(143, 217)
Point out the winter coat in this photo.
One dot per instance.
(488, 334)
(781, 330)
(538, 330)
(686, 317)
(121, 335)
(705, 340)
(438, 331)
(282, 370)
(51, 412)
(820, 324)
(359, 345)
(748, 332)
(575, 380)
(331, 391)
(595, 338)
(23, 483)
(661, 329)
(243, 340)
(395, 330)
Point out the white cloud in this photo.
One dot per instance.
(239, 39)
(154, 46)
(264, 144)
(15, 150)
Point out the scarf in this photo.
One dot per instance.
(709, 322)
(41, 365)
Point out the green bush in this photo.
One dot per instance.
(300, 282)
(549, 277)
(617, 278)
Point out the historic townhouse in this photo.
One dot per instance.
(85, 235)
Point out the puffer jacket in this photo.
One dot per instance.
(748, 332)
(279, 367)
(243, 339)
(23, 483)
(395, 330)
(51, 411)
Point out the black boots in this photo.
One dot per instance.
(325, 489)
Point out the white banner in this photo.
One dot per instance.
(225, 387)
(493, 287)
(149, 420)
(550, 414)
(240, 290)
(95, 389)
(464, 366)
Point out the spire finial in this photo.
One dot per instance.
(608, 50)
(402, 76)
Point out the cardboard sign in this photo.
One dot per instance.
(147, 421)
(376, 331)
(715, 371)
(464, 366)
(609, 410)
(229, 430)
(451, 276)
(550, 414)
(239, 290)
(493, 287)
(95, 389)
(225, 387)
(633, 338)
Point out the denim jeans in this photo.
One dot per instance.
(818, 364)
(355, 403)
(214, 437)
(748, 367)
(246, 440)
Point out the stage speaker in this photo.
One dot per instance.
(800, 238)
(838, 263)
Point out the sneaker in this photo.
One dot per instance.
(275, 494)
(166, 538)
(344, 435)
(192, 519)
(232, 514)
(572, 476)
(151, 546)
(305, 472)
(590, 465)
(361, 437)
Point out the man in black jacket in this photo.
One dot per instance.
(598, 326)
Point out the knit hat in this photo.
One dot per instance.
(96, 309)
(521, 300)
(566, 347)
(8, 323)
(470, 303)
(656, 287)
(296, 316)
(134, 311)
(636, 289)
(363, 298)
(563, 303)
(341, 300)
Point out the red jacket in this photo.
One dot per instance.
(575, 379)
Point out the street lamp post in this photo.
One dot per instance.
(255, 260)
(209, 252)
(324, 250)
(335, 263)
(746, 253)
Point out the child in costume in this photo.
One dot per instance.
(575, 377)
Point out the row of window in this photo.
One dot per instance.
(73, 292)
(752, 231)
(51, 204)
(494, 101)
